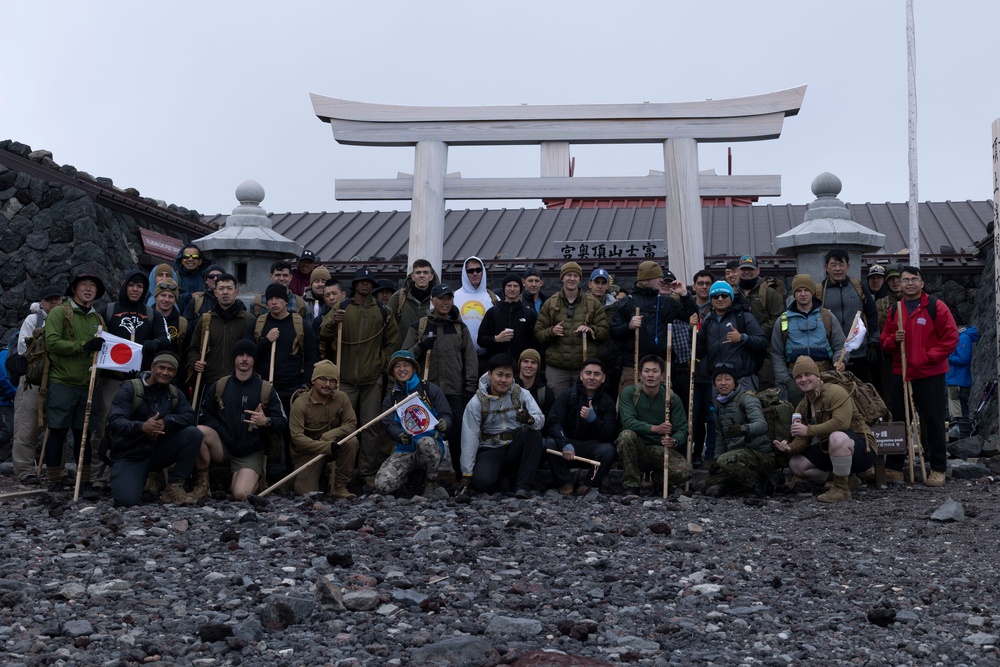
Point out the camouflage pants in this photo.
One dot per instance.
(637, 457)
(737, 471)
(393, 472)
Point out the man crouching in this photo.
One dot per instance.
(830, 436)
(152, 426)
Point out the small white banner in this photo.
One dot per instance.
(857, 336)
(416, 417)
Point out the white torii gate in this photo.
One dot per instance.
(678, 126)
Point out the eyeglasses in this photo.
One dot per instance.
(720, 296)
(909, 281)
(191, 256)
(213, 276)
(326, 380)
(474, 270)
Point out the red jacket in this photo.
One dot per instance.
(929, 342)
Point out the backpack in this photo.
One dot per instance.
(821, 290)
(866, 399)
(37, 373)
(775, 283)
(258, 307)
(139, 391)
(15, 364)
(484, 402)
(297, 344)
(777, 413)
(272, 441)
(931, 309)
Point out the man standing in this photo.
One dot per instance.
(319, 421)
(831, 436)
(71, 341)
(766, 305)
(424, 451)
(281, 272)
(313, 296)
(226, 324)
(299, 281)
(474, 299)
(805, 329)
(199, 303)
(412, 301)
(876, 281)
(369, 330)
(233, 419)
(453, 363)
(656, 311)
(846, 296)
(730, 335)
(152, 427)
(583, 421)
(190, 262)
(703, 441)
(291, 341)
(733, 273)
(744, 451)
(509, 326)
(566, 317)
(930, 335)
(26, 417)
(608, 351)
(533, 284)
(501, 432)
(646, 431)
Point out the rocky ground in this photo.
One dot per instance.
(546, 581)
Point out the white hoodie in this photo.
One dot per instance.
(473, 303)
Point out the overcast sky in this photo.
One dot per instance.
(184, 100)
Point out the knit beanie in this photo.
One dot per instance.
(649, 270)
(721, 287)
(530, 354)
(325, 369)
(165, 358)
(803, 280)
(570, 267)
(276, 290)
(163, 268)
(320, 272)
(510, 278)
(244, 346)
(804, 365)
(165, 286)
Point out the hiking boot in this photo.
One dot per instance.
(894, 475)
(582, 490)
(341, 492)
(174, 494)
(202, 489)
(154, 481)
(853, 482)
(566, 489)
(840, 490)
(522, 492)
(434, 490)
(630, 491)
(936, 478)
(56, 486)
(713, 491)
(30, 480)
(88, 492)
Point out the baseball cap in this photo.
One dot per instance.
(600, 273)
(876, 270)
(441, 290)
(748, 260)
(309, 255)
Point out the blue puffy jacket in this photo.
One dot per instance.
(960, 361)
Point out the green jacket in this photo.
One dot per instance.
(69, 363)
(370, 336)
(226, 328)
(405, 307)
(744, 410)
(640, 413)
(566, 351)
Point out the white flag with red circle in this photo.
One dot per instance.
(119, 354)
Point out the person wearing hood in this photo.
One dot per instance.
(473, 300)
(501, 432)
(71, 340)
(162, 272)
(369, 331)
(566, 319)
(412, 451)
(165, 303)
(226, 325)
(313, 295)
(959, 376)
(26, 400)
(509, 326)
(190, 270)
(443, 341)
(744, 450)
(152, 427)
(412, 301)
(199, 303)
(729, 334)
(765, 303)
(805, 329)
(656, 311)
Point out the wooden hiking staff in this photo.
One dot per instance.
(41, 457)
(666, 410)
(204, 351)
(427, 358)
(584, 347)
(319, 457)
(86, 424)
(340, 337)
(590, 462)
(908, 408)
(270, 369)
(690, 440)
(635, 367)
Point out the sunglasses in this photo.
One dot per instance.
(191, 256)
(476, 270)
(720, 296)
(213, 276)
(168, 286)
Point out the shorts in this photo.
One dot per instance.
(863, 459)
(252, 461)
(66, 407)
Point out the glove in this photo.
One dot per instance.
(525, 418)
(405, 438)
(427, 343)
(94, 344)
(874, 353)
(734, 431)
(334, 448)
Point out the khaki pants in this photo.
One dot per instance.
(367, 402)
(25, 430)
(343, 465)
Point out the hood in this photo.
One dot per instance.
(453, 315)
(152, 275)
(35, 308)
(467, 284)
(972, 333)
(134, 276)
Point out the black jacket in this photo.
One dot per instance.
(125, 425)
(504, 315)
(563, 421)
(657, 312)
(134, 320)
(228, 421)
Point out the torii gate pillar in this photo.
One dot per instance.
(684, 234)
(427, 211)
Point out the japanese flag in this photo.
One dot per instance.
(119, 354)
(416, 417)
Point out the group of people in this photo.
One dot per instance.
(318, 376)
